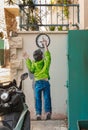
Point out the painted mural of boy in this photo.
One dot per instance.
(40, 69)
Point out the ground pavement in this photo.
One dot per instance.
(49, 125)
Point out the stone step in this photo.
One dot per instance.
(49, 125)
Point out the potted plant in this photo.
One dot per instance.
(60, 28)
(51, 28)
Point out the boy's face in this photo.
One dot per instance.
(38, 55)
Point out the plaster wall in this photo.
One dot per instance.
(86, 14)
(83, 14)
(58, 71)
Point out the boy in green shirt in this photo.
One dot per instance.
(40, 68)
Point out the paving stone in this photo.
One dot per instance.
(48, 125)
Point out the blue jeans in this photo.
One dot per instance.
(42, 86)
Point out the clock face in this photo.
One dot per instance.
(42, 38)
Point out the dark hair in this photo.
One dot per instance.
(38, 55)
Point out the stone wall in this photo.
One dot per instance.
(2, 16)
(16, 64)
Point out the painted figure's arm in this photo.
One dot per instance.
(28, 62)
(45, 45)
(25, 55)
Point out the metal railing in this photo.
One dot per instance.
(49, 17)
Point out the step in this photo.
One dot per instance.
(49, 125)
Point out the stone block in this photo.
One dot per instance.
(13, 55)
(16, 64)
(15, 42)
(13, 74)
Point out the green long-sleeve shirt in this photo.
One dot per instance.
(40, 69)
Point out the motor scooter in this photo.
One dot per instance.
(14, 113)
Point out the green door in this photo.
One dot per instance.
(1, 52)
(77, 77)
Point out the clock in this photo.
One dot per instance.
(42, 37)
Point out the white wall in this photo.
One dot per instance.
(58, 71)
(81, 3)
(83, 14)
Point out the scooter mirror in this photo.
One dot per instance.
(24, 76)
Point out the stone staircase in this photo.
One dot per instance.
(49, 125)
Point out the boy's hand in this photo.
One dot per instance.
(25, 55)
(44, 42)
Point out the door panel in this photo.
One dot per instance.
(77, 77)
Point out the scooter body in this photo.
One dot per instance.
(14, 113)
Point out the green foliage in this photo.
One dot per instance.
(60, 28)
(34, 22)
(60, 2)
(66, 12)
(65, 8)
(51, 28)
(63, 28)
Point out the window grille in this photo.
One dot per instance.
(49, 16)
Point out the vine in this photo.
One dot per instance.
(65, 8)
